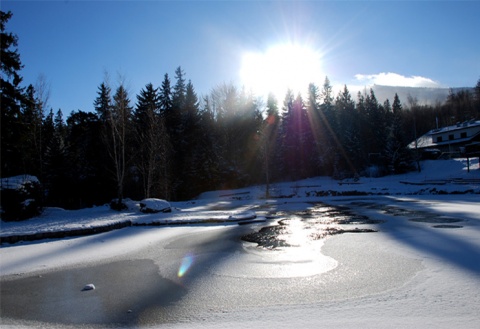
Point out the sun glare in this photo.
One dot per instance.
(279, 68)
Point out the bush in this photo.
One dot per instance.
(375, 171)
(22, 202)
(118, 205)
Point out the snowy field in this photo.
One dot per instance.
(421, 268)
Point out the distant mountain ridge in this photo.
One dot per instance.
(423, 95)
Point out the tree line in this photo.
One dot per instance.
(167, 142)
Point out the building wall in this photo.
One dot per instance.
(455, 133)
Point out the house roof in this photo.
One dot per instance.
(457, 127)
(429, 141)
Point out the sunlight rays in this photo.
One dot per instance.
(318, 121)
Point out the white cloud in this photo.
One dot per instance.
(397, 80)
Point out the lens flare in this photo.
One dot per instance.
(187, 262)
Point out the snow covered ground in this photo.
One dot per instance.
(411, 273)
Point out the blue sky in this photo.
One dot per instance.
(73, 43)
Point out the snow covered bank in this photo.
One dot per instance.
(439, 177)
(452, 174)
(59, 223)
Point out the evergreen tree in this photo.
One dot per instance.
(273, 115)
(11, 63)
(237, 120)
(296, 138)
(269, 141)
(249, 120)
(103, 102)
(319, 128)
(398, 156)
(364, 129)
(414, 111)
(30, 133)
(174, 119)
(165, 95)
(388, 112)
(104, 120)
(284, 146)
(462, 105)
(180, 89)
(166, 123)
(103, 107)
(48, 133)
(37, 128)
(190, 147)
(191, 115)
(376, 129)
(476, 97)
(327, 93)
(56, 161)
(329, 128)
(120, 129)
(12, 97)
(88, 173)
(60, 128)
(349, 134)
(148, 156)
(271, 128)
(224, 107)
(371, 113)
(208, 155)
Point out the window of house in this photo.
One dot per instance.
(439, 139)
(463, 135)
(450, 137)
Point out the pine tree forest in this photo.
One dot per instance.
(169, 142)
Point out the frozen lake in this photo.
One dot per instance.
(206, 275)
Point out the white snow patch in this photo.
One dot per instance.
(153, 205)
(89, 286)
(17, 182)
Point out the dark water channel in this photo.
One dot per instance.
(418, 216)
(312, 224)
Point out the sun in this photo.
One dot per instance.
(279, 68)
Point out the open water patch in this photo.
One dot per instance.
(436, 220)
(447, 226)
(298, 228)
(397, 211)
(413, 215)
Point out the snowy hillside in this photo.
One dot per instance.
(424, 95)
